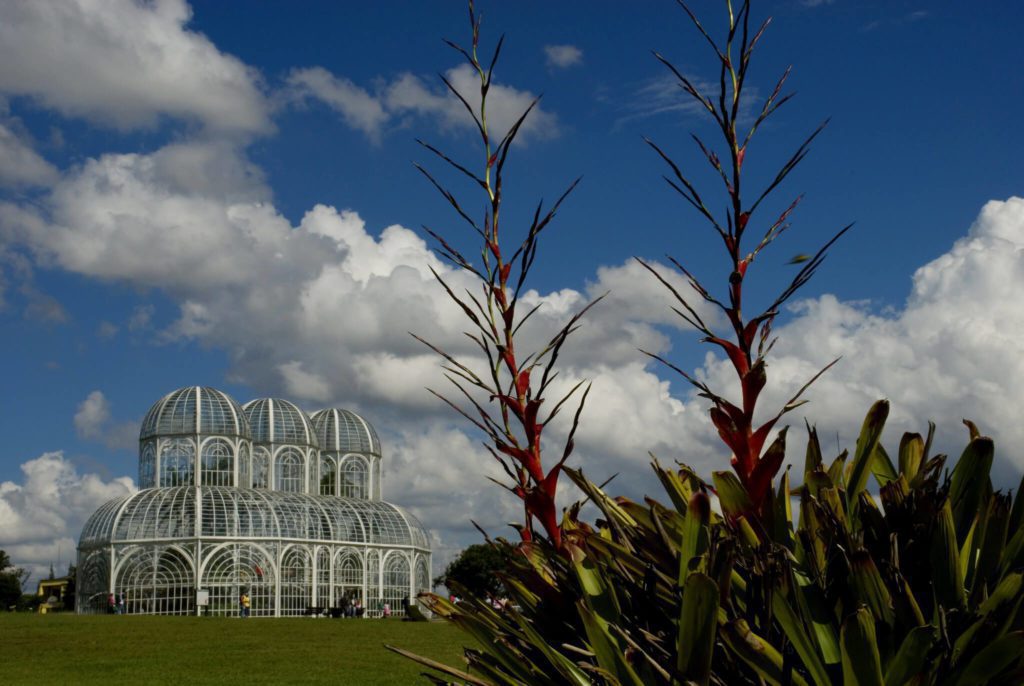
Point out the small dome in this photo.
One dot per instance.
(345, 432)
(195, 410)
(274, 420)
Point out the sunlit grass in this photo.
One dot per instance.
(69, 649)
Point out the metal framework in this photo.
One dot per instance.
(259, 499)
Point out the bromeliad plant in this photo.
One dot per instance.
(507, 402)
(921, 585)
(749, 339)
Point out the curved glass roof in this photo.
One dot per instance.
(274, 420)
(195, 410)
(246, 514)
(345, 431)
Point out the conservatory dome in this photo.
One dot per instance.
(345, 432)
(195, 410)
(274, 420)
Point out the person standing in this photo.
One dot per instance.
(111, 604)
(121, 609)
(243, 604)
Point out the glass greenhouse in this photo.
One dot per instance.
(259, 499)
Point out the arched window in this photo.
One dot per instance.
(260, 468)
(323, 578)
(177, 462)
(232, 569)
(288, 471)
(353, 477)
(243, 466)
(147, 466)
(373, 602)
(296, 581)
(328, 476)
(218, 463)
(348, 578)
(422, 575)
(314, 469)
(156, 580)
(396, 583)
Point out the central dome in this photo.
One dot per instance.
(195, 410)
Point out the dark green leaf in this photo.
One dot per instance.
(698, 624)
(862, 665)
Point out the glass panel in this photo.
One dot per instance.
(218, 462)
(328, 476)
(353, 477)
(296, 582)
(396, 585)
(177, 462)
(147, 465)
(260, 467)
(243, 467)
(288, 471)
(238, 568)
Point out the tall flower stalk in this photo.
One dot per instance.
(507, 402)
(747, 341)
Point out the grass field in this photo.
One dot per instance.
(69, 649)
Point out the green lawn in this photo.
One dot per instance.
(68, 649)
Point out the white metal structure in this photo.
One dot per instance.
(258, 511)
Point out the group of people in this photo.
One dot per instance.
(115, 604)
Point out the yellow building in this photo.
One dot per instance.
(54, 593)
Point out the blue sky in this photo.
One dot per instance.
(202, 194)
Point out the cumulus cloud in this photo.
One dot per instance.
(953, 350)
(563, 56)
(408, 96)
(42, 516)
(93, 421)
(126, 64)
(20, 165)
(359, 109)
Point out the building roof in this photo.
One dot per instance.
(249, 514)
(344, 431)
(195, 410)
(275, 420)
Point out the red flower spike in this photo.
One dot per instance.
(505, 272)
(739, 163)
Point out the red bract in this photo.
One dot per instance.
(755, 466)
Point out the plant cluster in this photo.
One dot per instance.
(919, 584)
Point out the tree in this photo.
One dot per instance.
(11, 580)
(475, 571)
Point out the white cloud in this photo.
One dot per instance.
(107, 330)
(407, 96)
(357, 107)
(42, 307)
(93, 422)
(92, 414)
(20, 165)
(301, 385)
(954, 350)
(47, 509)
(126, 64)
(563, 56)
(141, 318)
